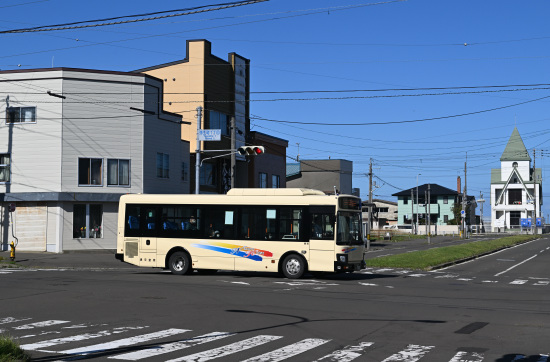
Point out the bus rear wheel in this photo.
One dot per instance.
(180, 263)
(293, 266)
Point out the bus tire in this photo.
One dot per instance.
(294, 266)
(180, 263)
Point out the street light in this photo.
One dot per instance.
(416, 228)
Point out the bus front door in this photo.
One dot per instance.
(321, 242)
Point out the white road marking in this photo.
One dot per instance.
(447, 276)
(348, 353)
(513, 266)
(467, 357)
(228, 349)
(171, 347)
(519, 281)
(289, 351)
(40, 324)
(542, 282)
(80, 337)
(124, 342)
(369, 284)
(12, 320)
(417, 275)
(489, 281)
(411, 354)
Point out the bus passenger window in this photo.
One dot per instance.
(289, 224)
(131, 227)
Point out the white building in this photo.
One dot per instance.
(516, 188)
(71, 143)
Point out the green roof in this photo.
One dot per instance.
(515, 149)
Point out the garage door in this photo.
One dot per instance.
(30, 226)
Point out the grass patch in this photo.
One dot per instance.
(429, 259)
(10, 351)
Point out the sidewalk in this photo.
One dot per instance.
(73, 260)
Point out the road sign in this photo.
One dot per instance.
(462, 213)
(210, 134)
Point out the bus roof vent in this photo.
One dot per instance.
(273, 192)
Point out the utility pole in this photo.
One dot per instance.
(464, 202)
(233, 154)
(412, 211)
(429, 215)
(198, 152)
(417, 224)
(370, 200)
(534, 221)
(481, 201)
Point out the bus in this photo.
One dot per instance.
(290, 231)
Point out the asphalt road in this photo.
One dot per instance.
(494, 308)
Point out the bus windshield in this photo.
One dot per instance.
(349, 228)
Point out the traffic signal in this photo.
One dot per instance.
(251, 150)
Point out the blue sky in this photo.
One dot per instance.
(383, 54)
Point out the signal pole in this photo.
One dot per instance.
(198, 151)
(233, 155)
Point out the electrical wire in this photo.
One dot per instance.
(67, 26)
(408, 121)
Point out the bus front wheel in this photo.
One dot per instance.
(293, 266)
(180, 263)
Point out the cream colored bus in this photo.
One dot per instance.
(290, 231)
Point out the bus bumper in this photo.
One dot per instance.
(343, 265)
(119, 257)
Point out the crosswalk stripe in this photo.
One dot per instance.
(467, 357)
(348, 353)
(412, 353)
(80, 337)
(289, 351)
(519, 281)
(227, 350)
(40, 324)
(124, 342)
(171, 347)
(12, 320)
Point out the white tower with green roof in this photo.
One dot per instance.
(516, 188)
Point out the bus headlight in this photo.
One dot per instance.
(343, 258)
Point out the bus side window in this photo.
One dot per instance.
(289, 224)
(132, 222)
(322, 226)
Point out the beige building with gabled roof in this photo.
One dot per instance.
(221, 88)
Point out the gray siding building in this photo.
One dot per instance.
(322, 175)
(71, 142)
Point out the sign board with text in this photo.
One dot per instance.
(210, 134)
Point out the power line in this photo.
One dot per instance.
(408, 121)
(188, 11)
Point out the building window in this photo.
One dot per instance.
(514, 197)
(208, 174)
(219, 121)
(21, 115)
(5, 160)
(445, 219)
(118, 172)
(163, 165)
(445, 199)
(405, 200)
(275, 181)
(90, 171)
(184, 172)
(87, 221)
(263, 180)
